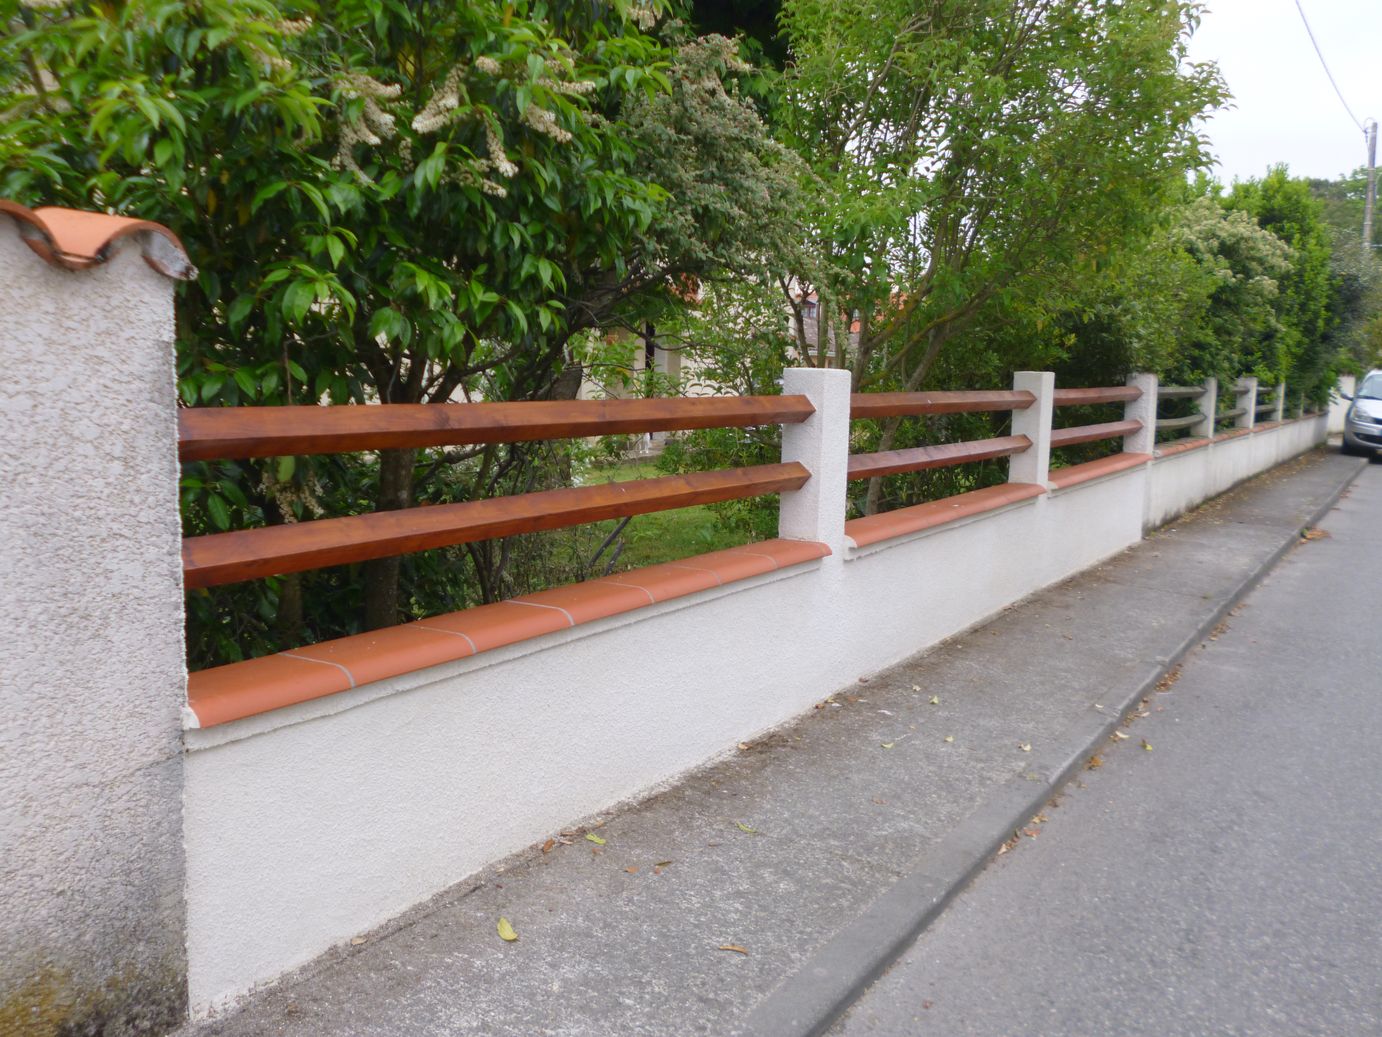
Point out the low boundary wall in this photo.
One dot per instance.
(313, 823)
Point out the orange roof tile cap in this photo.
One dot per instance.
(79, 240)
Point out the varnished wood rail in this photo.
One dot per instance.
(216, 433)
(892, 462)
(253, 553)
(1090, 433)
(898, 404)
(1108, 394)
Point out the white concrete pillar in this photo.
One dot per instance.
(1246, 389)
(821, 443)
(92, 675)
(1034, 464)
(1339, 399)
(1208, 406)
(1142, 409)
(1280, 400)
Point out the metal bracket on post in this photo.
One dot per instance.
(821, 442)
(1246, 389)
(1142, 409)
(1033, 465)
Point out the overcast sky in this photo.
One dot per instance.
(1284, 109)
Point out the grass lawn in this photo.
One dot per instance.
(663, 536)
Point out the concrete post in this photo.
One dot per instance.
(92, 677)
(821, 443)
(1033, 465)
(1142, 409)
(1246, 390)
(1280, 399)
(1207, 405)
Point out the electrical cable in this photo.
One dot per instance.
(1325, 65)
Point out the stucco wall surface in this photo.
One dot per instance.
(1179, 482)
(315, 823)
(92, 681)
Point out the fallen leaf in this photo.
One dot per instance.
(863, 680)
(595, 851)
(1146, 745)
(657, 870)
(886, 712)
(935, 700)
(851, 699)
(1026, 747)
(1030, 833)
(632, 869)
(663, 864)
(888, 745)
(506, 931)
(592, 837)
(1095, 762)
(745, 745)
(1040, 819)
(880, 802)
(547, 846)
(1311, 533)
(1119, 736)
(733, 947)
(949, 738)
(355, 941)
(916, 687)
(745, 828)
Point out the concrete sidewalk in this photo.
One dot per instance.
(762, 893)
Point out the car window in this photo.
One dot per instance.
(1371, 389)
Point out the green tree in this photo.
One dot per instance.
(972, 149)
(1300, 351)
(388, 202)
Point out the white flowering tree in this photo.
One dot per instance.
(399, 202)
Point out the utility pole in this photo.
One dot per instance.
(1370, 130)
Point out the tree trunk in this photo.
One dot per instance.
(381, 575)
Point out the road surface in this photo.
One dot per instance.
(1220, 872)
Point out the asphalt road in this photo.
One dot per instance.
(1224, 879)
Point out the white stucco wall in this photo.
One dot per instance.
(1338, 406)
(1179, 482)
(92, 681)
(313, 823)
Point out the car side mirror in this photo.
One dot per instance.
(1346, 396)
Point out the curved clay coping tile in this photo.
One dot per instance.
(78, 240)
(238, 690)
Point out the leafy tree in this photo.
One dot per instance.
(1300, 351)
(971, 149)
(402, 203)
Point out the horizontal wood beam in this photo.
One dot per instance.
(249, 554)
(891, 462)
(1108, 394)
(215, 433)
(1089, 433)
(898, 404)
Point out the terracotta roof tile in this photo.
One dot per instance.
(78, 240)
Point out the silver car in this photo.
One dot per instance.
(1363, 423)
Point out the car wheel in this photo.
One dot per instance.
(1346, 449)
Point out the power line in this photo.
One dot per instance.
(1325, 65)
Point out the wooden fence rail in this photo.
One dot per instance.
(215, 433)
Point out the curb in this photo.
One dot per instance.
(814, 997)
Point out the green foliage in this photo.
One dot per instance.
(389, 202)
(974, 151)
